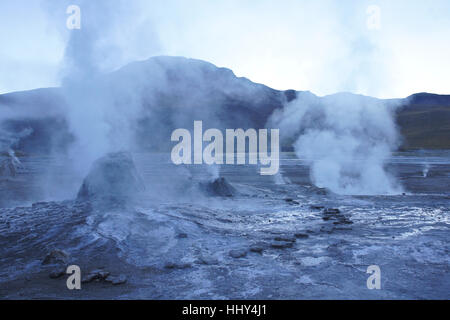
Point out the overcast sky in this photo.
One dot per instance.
(379, 48)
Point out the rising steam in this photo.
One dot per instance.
(92, 101)
(346, 138)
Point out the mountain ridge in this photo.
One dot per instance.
(171, 91)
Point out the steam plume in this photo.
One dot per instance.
(346, 138)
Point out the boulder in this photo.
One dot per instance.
(116, 280)
(57, 260)
(335, 215)
(238, 253)
(331, 211)
(319, 191)
(207, 260)
(219, 187)
(113, 176)
(56, 257)
(97, 275)
(57, 273)
(177, 265)
(301, 235)
(258, 247)
(285, 238)
(291, 201)
(281, 244)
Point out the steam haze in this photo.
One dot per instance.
(347, 139)
(347, 192)
(321, 46)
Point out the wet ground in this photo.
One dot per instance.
(276, 238)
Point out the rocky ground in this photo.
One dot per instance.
(178, 251)
(233, 240)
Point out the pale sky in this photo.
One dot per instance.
(381, 48)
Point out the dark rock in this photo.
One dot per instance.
(40, 205)
(116, 280)
(177, 265)
(238, 253)
(291, 201)
(97, 275)
(336, 216)
(208, 260)
(182, 235)
(342, 228)
(258, 247)
(301, 235)
(220, 187)
(290, 95)
(319, 191)
(57, 273)
(113, 176)
(343, 221)
(281, 244)
(56, 257)
(327, 229)
(331, 211)
(285, 238)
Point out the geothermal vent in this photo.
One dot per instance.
(113, 176)
(219, 187)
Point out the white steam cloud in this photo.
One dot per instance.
(346, 138)
(100, 112)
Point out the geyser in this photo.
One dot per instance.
(218, 187)
(112, 177)
(346, 138)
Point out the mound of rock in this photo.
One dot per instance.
(319, 191)
(335, 215)
(113, 176)
(57, 261)
(219, 187)
(56, 257)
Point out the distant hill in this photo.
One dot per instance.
(424, 121)
(164, 93)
